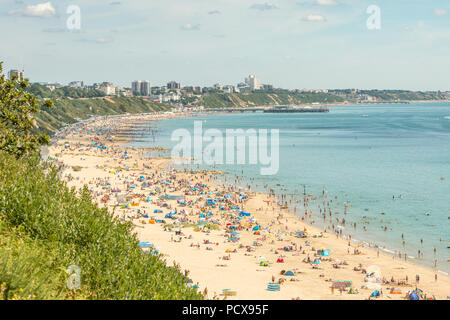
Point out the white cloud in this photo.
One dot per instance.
(263, 6)
(43, 10)
(440, 12)
(103, 40)
(189, 27)
(314, 18)
(326, 2)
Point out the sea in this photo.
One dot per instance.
(385, 167)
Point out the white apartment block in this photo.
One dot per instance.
(253, 82)
(108, 88)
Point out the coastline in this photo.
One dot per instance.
(310, 284)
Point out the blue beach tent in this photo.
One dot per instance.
(273, 287)
(376, 293)
(413, 296)
(145, 244)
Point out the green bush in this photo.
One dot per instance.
(36, 203)
(28, 269)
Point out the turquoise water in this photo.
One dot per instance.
(362, 156)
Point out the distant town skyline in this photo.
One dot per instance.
(310, 44)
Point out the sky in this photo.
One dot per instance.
(313, 44)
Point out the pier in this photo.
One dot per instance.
(275, 109)
(296, 110)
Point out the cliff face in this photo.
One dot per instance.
(69, 110)
(237, 100)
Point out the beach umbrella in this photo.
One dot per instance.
(316, 262)
(413, 296)
(262, 258)
(325, 253)
(375, 293)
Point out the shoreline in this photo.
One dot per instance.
(385, 250)
(253, 205)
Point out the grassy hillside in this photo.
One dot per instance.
(278, 97)
(45, 228)
(285, 97)
(389, 95)
(64, 92)
(68, 110)
(72, 104)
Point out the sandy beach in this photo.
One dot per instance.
(238, 241)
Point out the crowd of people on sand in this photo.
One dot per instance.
(145, 193)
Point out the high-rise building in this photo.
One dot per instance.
(145, 88)
(253, 82)
(15, 74)
(141, 88)
(173, 85)
(136, 87)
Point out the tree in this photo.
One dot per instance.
(17, 110)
